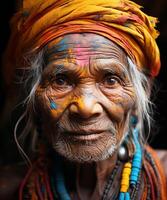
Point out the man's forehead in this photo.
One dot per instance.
(85, 46)
(80, 38)
(94, 67)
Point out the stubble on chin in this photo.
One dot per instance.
(85, 151)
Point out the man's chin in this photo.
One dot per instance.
(86, 152)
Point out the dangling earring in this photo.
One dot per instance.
(127, 149)
(123, 154)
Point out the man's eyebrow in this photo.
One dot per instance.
(60, 68)
(63, 68)
(112, 66)
(49, 54)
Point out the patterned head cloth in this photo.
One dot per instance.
(122, 21)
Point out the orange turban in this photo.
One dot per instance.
(41, 21)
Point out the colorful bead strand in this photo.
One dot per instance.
(131, 172)
(137, 159)
(124, 194)
(59, 179)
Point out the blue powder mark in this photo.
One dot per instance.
(53, 105)
(62, 45)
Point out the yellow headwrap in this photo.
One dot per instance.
(41, 21)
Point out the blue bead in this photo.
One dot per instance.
(135, 134)
(133, 178)
(138, 152)
(133, 182)
(121, 196)
(137, 156)
(136, 165)
(135, 172)
(133, 120)
(60, 180)
(136, 159)
(127, 196)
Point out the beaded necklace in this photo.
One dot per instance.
(130, 174)
(40, 185)
(131, 171)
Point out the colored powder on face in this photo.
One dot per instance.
(62, 45)
(81, 59)
(53, 105)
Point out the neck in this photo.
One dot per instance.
(90, 178)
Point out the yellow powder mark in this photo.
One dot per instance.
(71, 59)
(55, 113)
(79, 101)
(70, 51)
(60, 107)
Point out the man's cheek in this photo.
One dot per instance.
(128, 99)
(50, 107)
(57, 108)
(123, 103)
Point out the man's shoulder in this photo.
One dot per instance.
(10, 179)
(159, 156)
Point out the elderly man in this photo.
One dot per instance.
(86, 69)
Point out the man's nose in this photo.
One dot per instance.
(86, 106)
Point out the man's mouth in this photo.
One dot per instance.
(84, 135)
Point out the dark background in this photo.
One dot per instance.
(156, 8)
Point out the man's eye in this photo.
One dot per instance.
(110, 80)
(61, 80)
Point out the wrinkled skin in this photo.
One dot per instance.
(86, 76)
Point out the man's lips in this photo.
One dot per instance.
(85, 135)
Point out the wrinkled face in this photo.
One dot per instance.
(85, 96)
